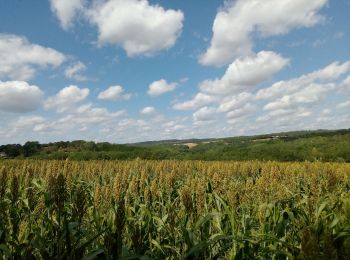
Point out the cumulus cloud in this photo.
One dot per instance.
(204, 114)
(172, 127)
(66, 11)
(20, 59)
(284, 116)
(238, 107)
(245, 73)
(295, 99)
(346, 84)
(85, 118)
(160, 87)
(87, 114)
(198, 101)
(332, 71)
(280, 88)
(231, 90)
(236, 23)
(25, 123)
(74, 71)
(114, 93)
(147, 110)
(137, 26)
(345, 104)
(295, 103)
(241, 76)
(235, 102)
(308, 95)
(67, 98)
(20, 129)
(19, 96)
(243, 111)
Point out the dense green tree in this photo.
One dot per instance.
(31, 148)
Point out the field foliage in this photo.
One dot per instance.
(174, 210)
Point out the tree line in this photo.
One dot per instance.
(314, 146)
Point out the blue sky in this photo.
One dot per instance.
(135, 70)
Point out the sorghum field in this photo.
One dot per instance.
(174, 210)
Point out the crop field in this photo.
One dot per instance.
(174, 210)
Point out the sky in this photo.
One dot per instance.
(134, 70)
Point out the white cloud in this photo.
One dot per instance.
(74, 71)
(296, 99)
(83, 118)
(137, 26)
(25, 122)
(290, 102)
(235, 102)
(19, 96)
(114, 93)
(241, 76)
(280, 88)
(284, 116)
(87, 114)
(243, 111)
(19, 59)
(234, 25)
(198, 101)
(312, 93)
(66, 11)
(245, 73)
(345, 104)
(126, 123)
(160, 87)
(81, 122)
(332, 71)
(67, 98)
(172, 127)
(19, 129)
(147, 110)
(346, 84)
(204, 114)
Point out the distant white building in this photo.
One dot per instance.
(3, 155)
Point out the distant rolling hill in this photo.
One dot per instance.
(320, 145)
(280, 135)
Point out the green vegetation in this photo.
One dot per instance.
(292, 146)
(174, 210)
